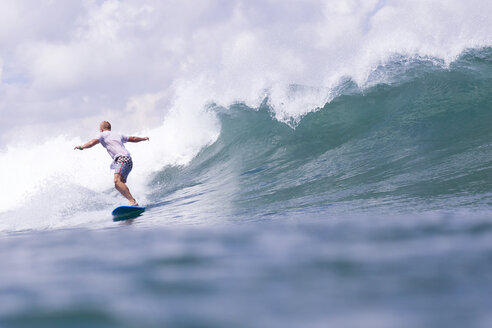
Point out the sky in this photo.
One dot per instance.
(66, 65)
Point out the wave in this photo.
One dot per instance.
(419, 143)
(47, 184)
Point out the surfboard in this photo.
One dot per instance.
(127, 212)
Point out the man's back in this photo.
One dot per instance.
(113, 143)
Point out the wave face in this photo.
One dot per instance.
(418, 142)
(421, 143)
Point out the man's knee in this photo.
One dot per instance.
(117, 179)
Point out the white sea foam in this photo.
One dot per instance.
(49, 184)
(110, 52)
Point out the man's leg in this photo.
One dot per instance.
(120, 185)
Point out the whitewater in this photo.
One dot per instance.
(288, 67)
(311, 163)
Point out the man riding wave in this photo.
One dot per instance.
(122, 160)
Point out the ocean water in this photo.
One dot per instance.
(357, 198)
(372, 211)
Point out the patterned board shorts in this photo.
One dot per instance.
(122, 165)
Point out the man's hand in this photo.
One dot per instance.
(90, 144)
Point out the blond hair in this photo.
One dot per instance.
(105, 125)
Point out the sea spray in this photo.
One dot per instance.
(289, 62)
(47, 179)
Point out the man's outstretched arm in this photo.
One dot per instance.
(90, 144)
(137, 139)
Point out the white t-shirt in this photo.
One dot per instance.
(113, 143)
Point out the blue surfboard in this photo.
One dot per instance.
(127, 212)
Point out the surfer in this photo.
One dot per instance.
(122, 160)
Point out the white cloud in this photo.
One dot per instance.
(77, 60)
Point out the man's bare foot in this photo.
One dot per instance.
(134, 203)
